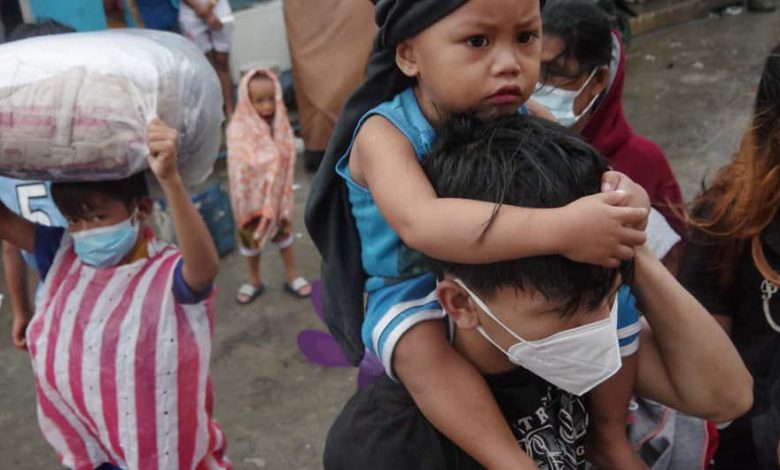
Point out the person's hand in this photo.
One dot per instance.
(213, 21)
(18, 329)
(162, 150)
(203, 10)
(636, 194)
(602, 229)
(262, 228)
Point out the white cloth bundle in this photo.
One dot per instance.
(661, 237)
(75, 107)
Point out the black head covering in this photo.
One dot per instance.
(328, 217)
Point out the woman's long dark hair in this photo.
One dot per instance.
(585, 32)
(745, 196)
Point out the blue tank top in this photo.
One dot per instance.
(385, 258)
(400, 291)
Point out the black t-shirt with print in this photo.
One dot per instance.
(381, 428)
(756, 341)
(741, 300)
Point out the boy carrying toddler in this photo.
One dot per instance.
(536, 327)
(373, 213)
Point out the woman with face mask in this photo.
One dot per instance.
(583, 74)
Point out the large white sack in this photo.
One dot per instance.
(75, 107)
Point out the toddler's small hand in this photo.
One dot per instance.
(599, 230)
(162, 149)
(636, 196)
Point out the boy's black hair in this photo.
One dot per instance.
(72, 199)
(45, 27)
(528, 162)
(585, 31)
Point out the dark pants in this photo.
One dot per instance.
(735, 449)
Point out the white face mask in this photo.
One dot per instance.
(575, 360)
(560, 102)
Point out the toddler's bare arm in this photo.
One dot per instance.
(455, 398)
(593, 229)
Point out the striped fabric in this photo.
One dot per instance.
(122, 370)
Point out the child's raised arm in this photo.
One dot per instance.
(199, 255)
(594, 229)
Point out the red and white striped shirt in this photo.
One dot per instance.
(122, 369)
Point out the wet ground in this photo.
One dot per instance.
(689, 88)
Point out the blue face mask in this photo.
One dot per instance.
(560, 102)
(103, 247)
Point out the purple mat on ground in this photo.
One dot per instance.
(320, 348)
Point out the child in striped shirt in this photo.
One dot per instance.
(120, 342)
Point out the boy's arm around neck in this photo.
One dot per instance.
(593, 229)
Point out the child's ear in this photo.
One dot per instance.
(458, 305)
(405, 58)
(144, 206)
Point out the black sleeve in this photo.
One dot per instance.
(700, 273)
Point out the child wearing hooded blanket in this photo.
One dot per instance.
(261, 164)
(372, 211)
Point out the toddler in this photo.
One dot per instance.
(261, 164)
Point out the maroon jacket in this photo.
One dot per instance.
(628, 152)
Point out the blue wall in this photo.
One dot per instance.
(84, 15)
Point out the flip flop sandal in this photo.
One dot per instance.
(250, 292)
(294, 287)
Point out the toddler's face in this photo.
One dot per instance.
(483, 57)
(263, 97)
